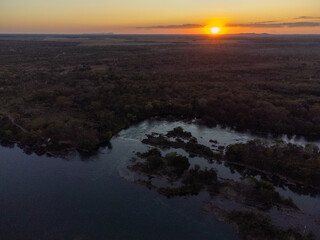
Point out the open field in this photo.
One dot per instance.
(65, 92)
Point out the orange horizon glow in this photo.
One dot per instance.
(155, 17)
(216, 27)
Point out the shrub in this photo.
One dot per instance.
(153, 162)
(194, 147)
(151, 152)
(179, 132)
(177, 161)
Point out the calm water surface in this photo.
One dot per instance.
(95, 198)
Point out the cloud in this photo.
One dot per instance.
(303, 24)
(306, 17)
(267, 22)
(183, 26)
(264, 24)
(276, 25)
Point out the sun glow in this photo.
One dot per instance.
(215, 27)
(215, 30)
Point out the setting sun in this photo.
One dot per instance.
(215, 30)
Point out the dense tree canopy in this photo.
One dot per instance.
(72, 94)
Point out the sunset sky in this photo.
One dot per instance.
(162, 16)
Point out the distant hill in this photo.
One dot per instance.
(98, 34)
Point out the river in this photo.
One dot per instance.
(95, 198)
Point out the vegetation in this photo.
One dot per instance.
(254, 225)
(297, 163)
(206, 178)
(195, 148)
(179, 132)
(153, 163)
(194, 181)
(249, 191)
(258, 193)
(172, 163)
(265, 193)
(77, 93)
(152, 152)
(192, 146)
(178, 162)
(175, 167)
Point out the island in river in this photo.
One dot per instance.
(250, 198)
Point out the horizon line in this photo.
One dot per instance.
(114, 34)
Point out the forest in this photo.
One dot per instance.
(64, 93)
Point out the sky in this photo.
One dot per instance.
(160, 16)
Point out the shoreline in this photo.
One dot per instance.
(40, 148)
(64, 153)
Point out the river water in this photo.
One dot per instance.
(96, 198)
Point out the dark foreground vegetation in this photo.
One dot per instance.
(252, 204)
(295, 163)
(258, 193)
(175, 168)
(183, 180)
(67, 92)
(289, 162)
(183, 140)
(178, 132)
(191, 146)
